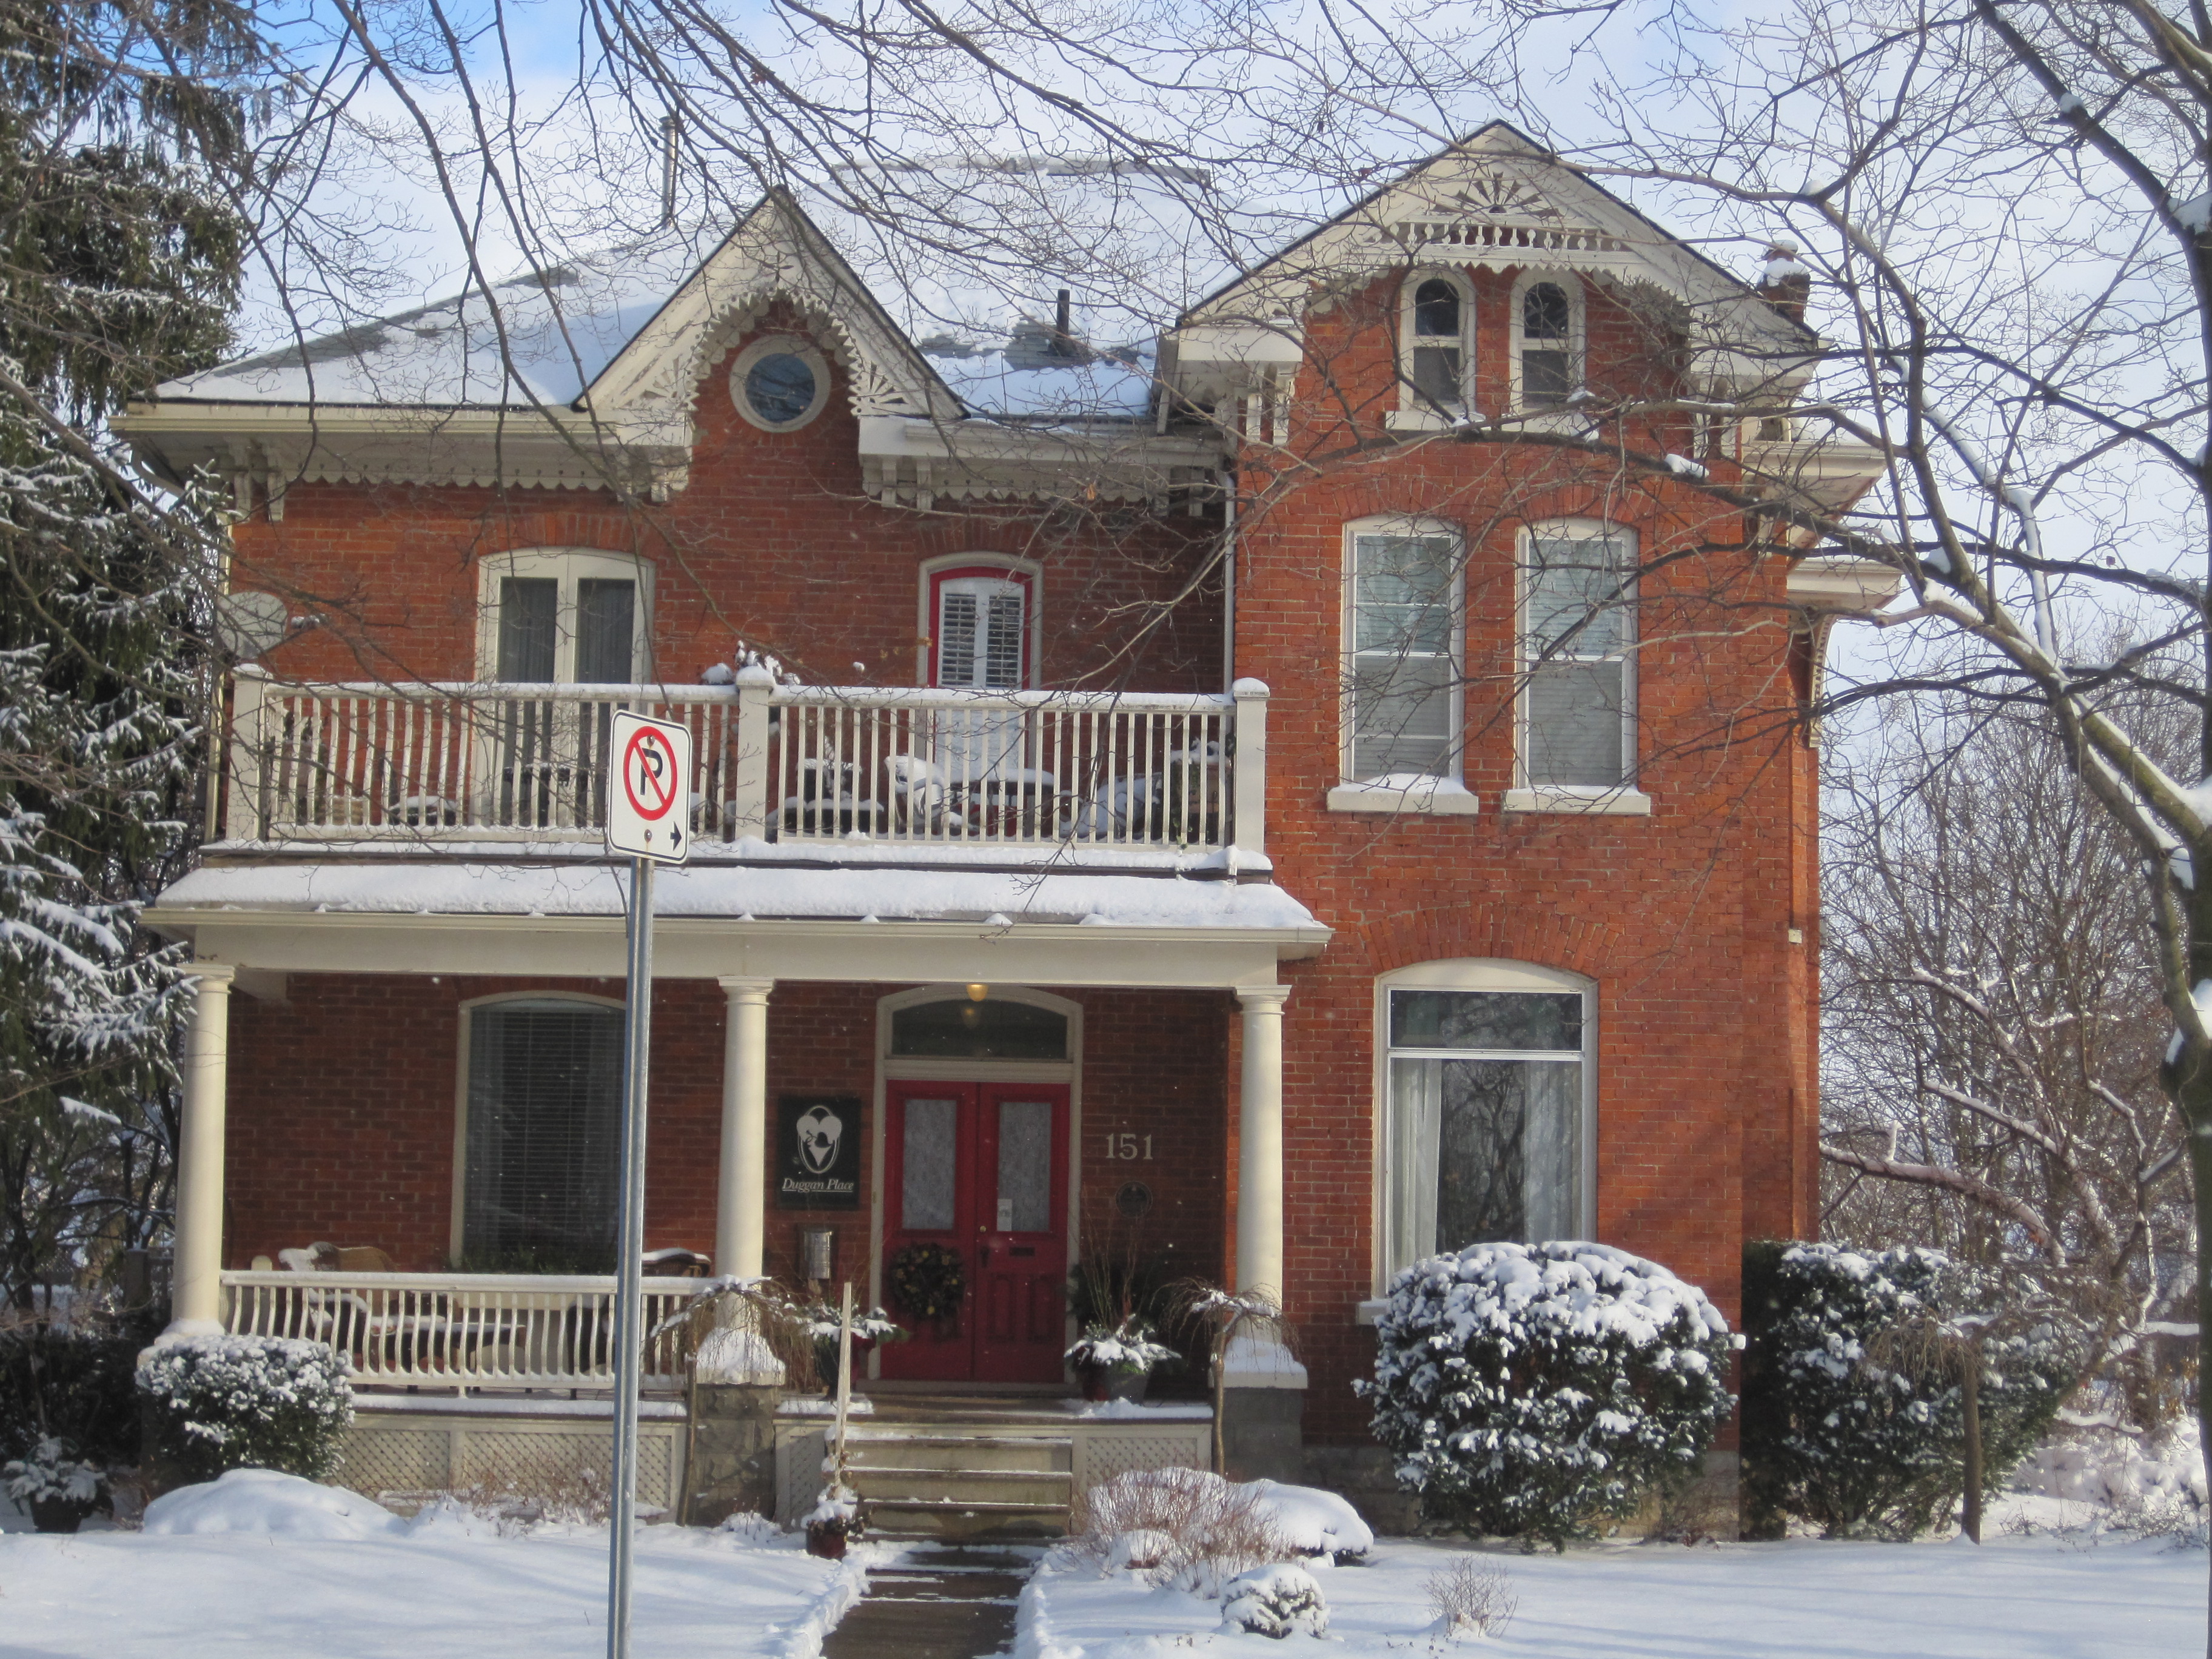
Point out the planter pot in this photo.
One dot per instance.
(1093, 1379)
(825, 1361)
(1127, 1385)
(60, 1514)
(826, 1539)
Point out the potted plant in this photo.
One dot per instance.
(57, 1486)
(1116, 1362)
(868, 1328)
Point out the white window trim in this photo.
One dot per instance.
(1443, 794)
(1472, 973)
(456, 1223)
(567, 566)
(1414, 412)
(774, 345)
(1578, 346)
(1026, 572)
(1624, 798)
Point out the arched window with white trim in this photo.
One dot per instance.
(1547, 341)
(1435, 329)
(1488, 1104)
(981, 621)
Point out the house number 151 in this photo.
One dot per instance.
(1124, 1147)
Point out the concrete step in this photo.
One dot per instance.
(1051, 1487)
(963, 1520)
(880, 1450)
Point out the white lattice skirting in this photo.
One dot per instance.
(400, 1457)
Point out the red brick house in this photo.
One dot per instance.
(1317, 783)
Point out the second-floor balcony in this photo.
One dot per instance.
(1113, 778)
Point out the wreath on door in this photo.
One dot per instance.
(928, 1280)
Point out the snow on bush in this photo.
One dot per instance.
(265, 1502)
(229, 1402)
(1312, 1521)
(52, 1472)
(1274, 1602)
(1531, 1390)
(2153, 1482)
(1853, 1416)
(1472, 1595)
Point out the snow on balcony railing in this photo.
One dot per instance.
(1025, 768)
(488, 1330)
(444, 763)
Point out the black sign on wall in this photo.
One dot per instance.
(816, 1161)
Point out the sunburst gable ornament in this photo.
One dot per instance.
(1497, 195)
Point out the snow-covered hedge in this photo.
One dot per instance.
(1853, 1418)
(229, 1402)
(1532, 1390)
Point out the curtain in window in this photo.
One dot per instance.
(1578, 627)
(606, 631)
(543, 1182)
(1486, 1147)
(1403, 665)
(529, 613)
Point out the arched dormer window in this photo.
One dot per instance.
(1547, 354)
(1434, 334)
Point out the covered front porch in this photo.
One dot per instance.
(842, 1071)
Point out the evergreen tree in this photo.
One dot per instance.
(124, 156)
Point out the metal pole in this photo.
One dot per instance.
(630, 1261)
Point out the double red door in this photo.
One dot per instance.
(981, 1168)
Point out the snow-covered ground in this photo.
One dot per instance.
(443, 1586)
(2023, 1598)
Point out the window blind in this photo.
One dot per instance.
(543, 1184)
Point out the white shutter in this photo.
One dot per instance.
(982, 621)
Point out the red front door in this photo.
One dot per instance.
(981, 1168)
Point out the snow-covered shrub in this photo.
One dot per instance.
(52, 1471)
(1188, 1527)
(1473, 1597)
(1532, 1390)
(266, 1502)
(1274, 1601)
(2139, 1480)
(229, 1402)
(1853, 1418)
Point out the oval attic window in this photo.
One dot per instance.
(779, 385)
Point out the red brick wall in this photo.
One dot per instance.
(772, 542)
(1706, 1093)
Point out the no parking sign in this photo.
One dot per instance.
(649, 796)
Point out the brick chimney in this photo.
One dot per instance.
(1785, 284)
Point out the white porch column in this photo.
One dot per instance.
(740, 1207)
(196, 1279)
(1260, 1153)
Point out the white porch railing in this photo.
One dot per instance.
(456, 763)
(473, 1330)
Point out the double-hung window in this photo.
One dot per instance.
(1486, 1107)
(1401, 694)
(1578, 681)
(1546, 343)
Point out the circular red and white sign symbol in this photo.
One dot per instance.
(649, 774)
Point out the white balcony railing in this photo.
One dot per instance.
(466, 1330)
(454, 763)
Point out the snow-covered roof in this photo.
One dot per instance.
(737, 893)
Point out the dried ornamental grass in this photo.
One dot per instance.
(1473, 1598)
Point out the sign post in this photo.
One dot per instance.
(648, 822)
